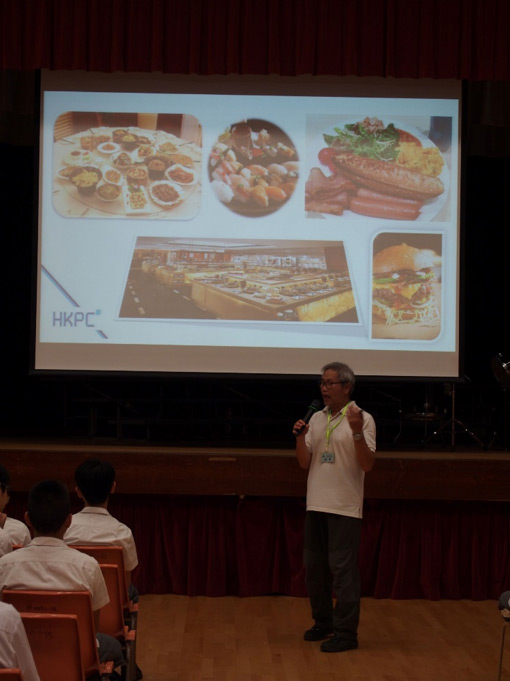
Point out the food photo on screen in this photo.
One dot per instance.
(219, 166)
(379, 167)
(245, 280)
(253, 167)
(124, 165)
(406, 286)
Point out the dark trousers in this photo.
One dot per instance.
(331, 547)
(133, 593)
(110, 649)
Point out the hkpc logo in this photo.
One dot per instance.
(74, 319)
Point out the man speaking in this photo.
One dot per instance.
(337, 447)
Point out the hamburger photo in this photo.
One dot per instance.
(404, 287)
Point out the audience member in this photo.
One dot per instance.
(14, 646)
(18, 531)
(47, 563)
(5, 538)
(504, 605)
(95, 481)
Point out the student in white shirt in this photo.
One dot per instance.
(15, 650)
(95, 481)
(18, 531)
(47, 563)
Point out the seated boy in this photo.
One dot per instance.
(5, 538)
(17, 530)
(47, 563)
(504, 605)
(15, 650)
(95, 481)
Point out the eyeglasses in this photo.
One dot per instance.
(329, 384)
(6, 488)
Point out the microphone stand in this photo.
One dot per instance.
(455, 425)
(501, 371)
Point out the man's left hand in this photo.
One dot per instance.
(355, 417)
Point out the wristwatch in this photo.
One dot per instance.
(357, 436)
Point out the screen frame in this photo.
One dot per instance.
(351, 86)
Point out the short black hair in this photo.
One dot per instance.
(48, 506)
(5, 479)
(94, 479)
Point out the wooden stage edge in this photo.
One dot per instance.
(430, 475)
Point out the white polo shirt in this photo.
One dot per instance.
(94, 525)
(48, 564)
(336, 487)
(5, 542)
(14, 646)
(19, 532)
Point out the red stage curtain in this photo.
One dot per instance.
(465, 39)
(252, 546)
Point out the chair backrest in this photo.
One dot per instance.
(55, 644)
(108, 555)
(11, 675)
(62, 603)
(111, 616)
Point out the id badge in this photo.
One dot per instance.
(327, 457)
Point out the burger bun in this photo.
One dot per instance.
(403, 257)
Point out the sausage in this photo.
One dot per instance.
(383, 209)
(386, 198)
(388, 178)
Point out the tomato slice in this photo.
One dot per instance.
(325, 157)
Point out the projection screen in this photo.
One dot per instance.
(248, 225)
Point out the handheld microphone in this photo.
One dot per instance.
(313, 407)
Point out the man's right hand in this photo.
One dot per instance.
(300, 428)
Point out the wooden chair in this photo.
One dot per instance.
(64, 603)
(11, 675)
(55, 644)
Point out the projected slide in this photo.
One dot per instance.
(127, 172)
(253, 167)
(190, 232)
(377, 169)
(406, 286)
(286, 281)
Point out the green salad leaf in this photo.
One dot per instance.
(355, 138)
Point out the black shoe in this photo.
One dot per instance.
(337, 644)
(317, 633)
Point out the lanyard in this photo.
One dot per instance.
(329, 430)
